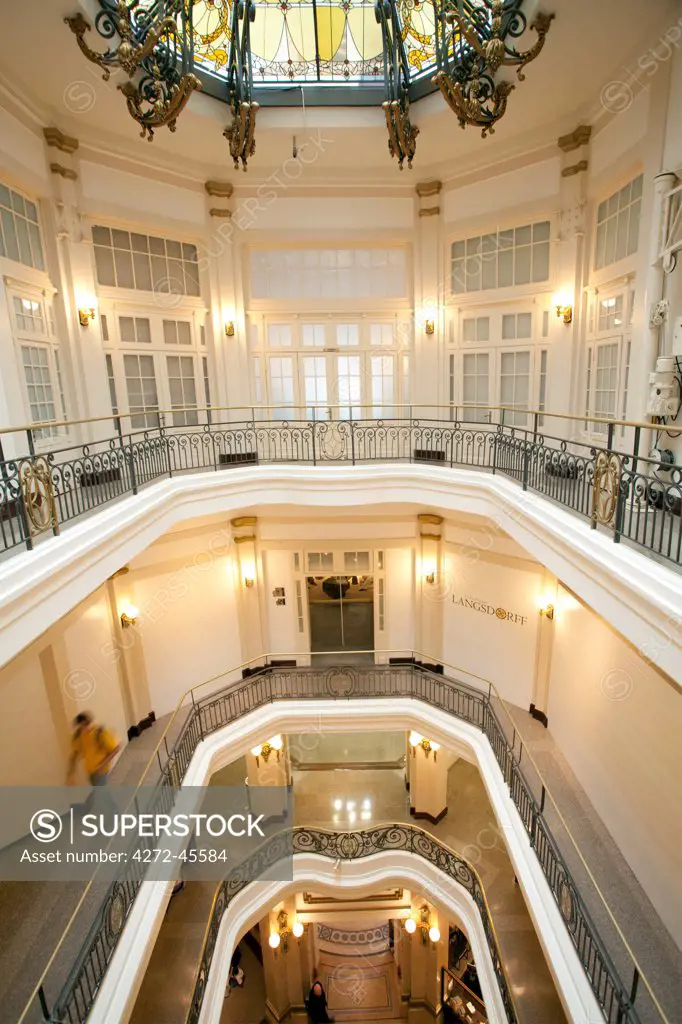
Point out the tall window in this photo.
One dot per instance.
(516, 256)
(20, 229)
(605, 373)
(143, 399)
(282, 385)
(38, 356)
(618, 225)
(126, 259)
(515, 386)
(183, 391)
(542, 392)
(383, 386)
(475, 385)
(41, 398)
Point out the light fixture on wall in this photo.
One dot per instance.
(422, 920)
(280, 937)
(229, 329)
(264, 750)
(416, 740)
(129, 615)
(429, 326)
(547, 611)
(86, 315)
(249, 581)
(564, 307)
(430, 577)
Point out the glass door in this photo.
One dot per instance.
(341, 612)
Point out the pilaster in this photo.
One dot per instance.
(429, 321)
(429, 585)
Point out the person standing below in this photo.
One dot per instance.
(317, 1003)
(95, 746)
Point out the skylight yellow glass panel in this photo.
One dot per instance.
(365, 34)
(331, 24)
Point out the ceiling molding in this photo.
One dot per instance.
(64, 143)
(430, 211)
(219, 189)
(244, 521)
(575, 139)
(428, 188)
(217, 212)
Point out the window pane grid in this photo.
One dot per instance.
(328, 273)
(20, 237)
(618, 225)
(125, 259)
(36, 363)
(143, 401)
(475, 377)
(515, 386)
(183, 392)
(516, 256)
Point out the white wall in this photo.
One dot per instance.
(281, 619)
(618, 722)
(400, 609)
(502, 650)
(30, 753)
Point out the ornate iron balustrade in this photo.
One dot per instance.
(623, 492)
(409, 679)
(352, 846)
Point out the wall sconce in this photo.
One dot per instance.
(129, 616)
(429, 932)
(565, 313)
(86, 315)
(430, 577)
(429, 326)
(281, 936)
(265, 749)
(249, 581)
(229, 329)
(297, 929)
(548, 611)
(427, 745)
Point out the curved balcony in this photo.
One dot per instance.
(47, 484)
(612, 974)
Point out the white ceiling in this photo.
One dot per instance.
(590, 43)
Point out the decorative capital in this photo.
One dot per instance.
(219, 189)
(244, 540)
(244, 521)
(429, 517)
(578, 168)
(576, 139)
(430, 211)
(217, 212)
(428, 188)
(64, 143)
(65, 172)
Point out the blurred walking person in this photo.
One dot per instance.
(95, 746)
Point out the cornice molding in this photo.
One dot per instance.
(575, 139)
(430, 211)
(216, 212)
(245, 540)
(578, 168)
(219, 189)
(64, 143)
(64, 172)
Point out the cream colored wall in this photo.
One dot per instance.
(618, 722)
(400, 599)
(501, 650)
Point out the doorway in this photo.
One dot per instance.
(341, 613)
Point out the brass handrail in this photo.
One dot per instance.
(585, 418)
(262, 661)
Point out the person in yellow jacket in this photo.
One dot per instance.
(95, 746)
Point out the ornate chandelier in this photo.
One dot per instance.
(152, 42)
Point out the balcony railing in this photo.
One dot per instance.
(614, 974)
(352, 846)
(595, 469)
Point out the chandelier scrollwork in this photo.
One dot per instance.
(473, 44)
(240, 133)
(402, 134)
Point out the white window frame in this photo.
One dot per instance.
(46, 340)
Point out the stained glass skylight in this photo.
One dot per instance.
(330, 41)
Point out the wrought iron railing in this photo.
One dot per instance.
(352, 846)
(621, 1002)
(613, 487)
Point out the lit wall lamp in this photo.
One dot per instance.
(422, 920)
(249, 581)
(427, 745)
(229, 329)
(430, 577)
(281, 936)
(264, 750)
(547, 611)
(429, 326)
(86, 315)
(129, 615)
(564, 307)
